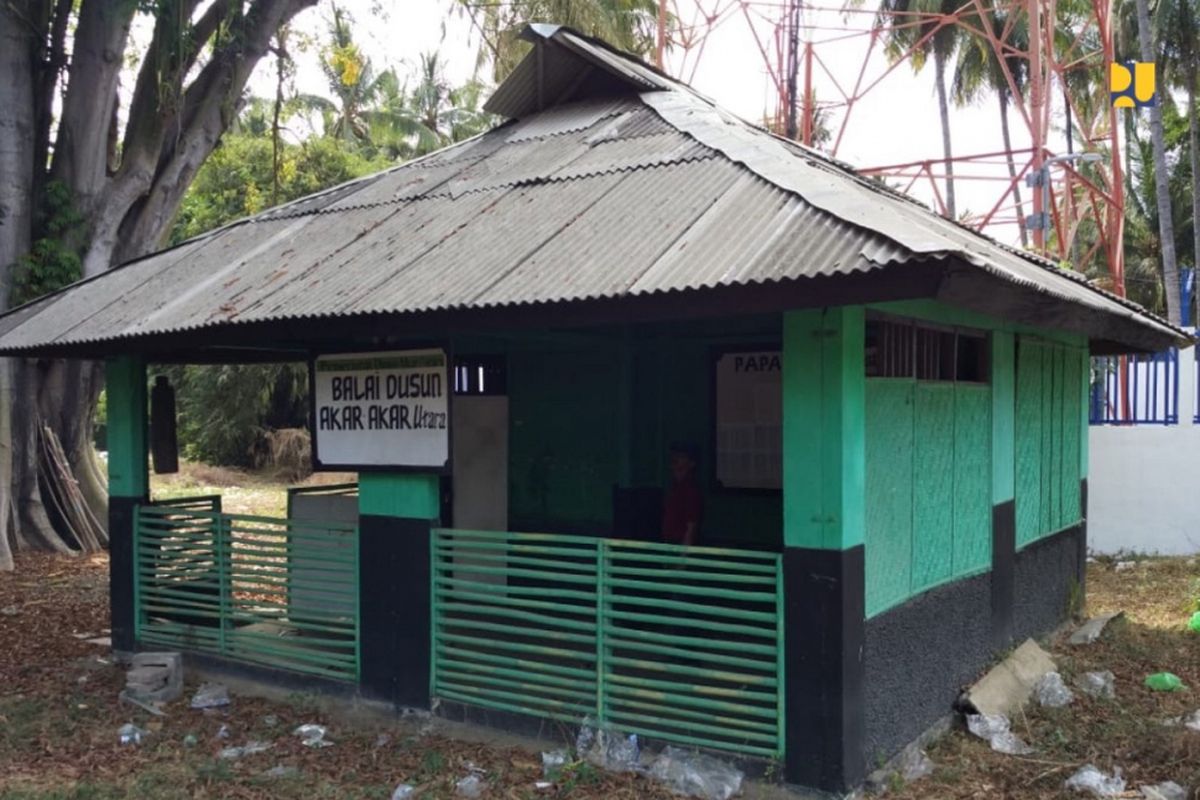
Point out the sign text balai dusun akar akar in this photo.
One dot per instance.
(381, 409)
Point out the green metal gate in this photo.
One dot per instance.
(682, 644)
(278, 592)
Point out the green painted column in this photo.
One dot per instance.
(125, 391)
(396, 512)
(823, 428)
(128, 485)
(823, 565)
(399, 494)
(1003, 413)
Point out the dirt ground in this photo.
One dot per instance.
(59, 714)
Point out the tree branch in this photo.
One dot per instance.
(148, 193)
(99, 48)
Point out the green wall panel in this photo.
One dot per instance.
(1029, 442)
(564, 457)
(972, 467)
(933, 489)
(1051, 433)
(889, 481)
(1073, 437)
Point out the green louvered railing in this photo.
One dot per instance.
(278, 592)
(681, 644)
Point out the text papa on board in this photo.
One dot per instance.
(756, 362)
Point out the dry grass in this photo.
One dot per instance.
(262, 493)
(1157, 597)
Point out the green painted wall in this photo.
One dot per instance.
(928, 486)
(398, 494)
(824, 454)
(588, 413)
(1004, 387)
(1050, 433)
(125, 390)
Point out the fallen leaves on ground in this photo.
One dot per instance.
(59, 717)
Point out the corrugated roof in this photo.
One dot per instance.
(596, 199)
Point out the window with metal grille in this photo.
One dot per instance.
(484, 374)
(905, 349)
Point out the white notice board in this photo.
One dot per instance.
(375, 410)
(749, 419)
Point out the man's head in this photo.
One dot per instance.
(683, 461)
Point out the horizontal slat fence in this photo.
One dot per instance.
(681, 644)
(269, 591)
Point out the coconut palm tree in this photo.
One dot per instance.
(1179, 23)
(630, 25)
(979, 69)
(938, 39)
(1149, 48)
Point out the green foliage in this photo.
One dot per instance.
(222, 410)
(238, 178)
(52, 262)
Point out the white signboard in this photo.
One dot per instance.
(381, 409)
(749, 420)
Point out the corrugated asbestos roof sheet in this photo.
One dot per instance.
(602, 198)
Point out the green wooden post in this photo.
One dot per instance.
(397, 511)
(128, 486)
(824, 474)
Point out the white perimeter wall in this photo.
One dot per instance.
(1144, 481)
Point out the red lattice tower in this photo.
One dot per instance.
(794, 48)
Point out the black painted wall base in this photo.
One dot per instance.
(1004, 546)
(1046, 580)
(394, 605)
(919, 656)
(823, 652)
(120, 570)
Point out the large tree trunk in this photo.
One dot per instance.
(126, 195)
(18, 46)
(1012, 166)
(939, 63)
(1162, 190)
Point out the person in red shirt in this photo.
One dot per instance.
(683, 504)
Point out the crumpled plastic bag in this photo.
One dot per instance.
(1165, 682)
(995, 729)
(609, 750)
(1097, 684)
(211, 695)
(553, 762)
(696, 774)
(915, 764)
(131, 734)
(1051, 692)
(248, 749)
(312, 735)
(471, 786)
(403, 791)
(1091, 780)
(1167, 790)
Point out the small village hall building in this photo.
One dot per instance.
(506, 338)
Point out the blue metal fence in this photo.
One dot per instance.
(1135, 390)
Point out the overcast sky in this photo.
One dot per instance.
(896, 122)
